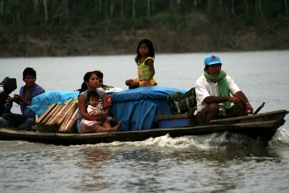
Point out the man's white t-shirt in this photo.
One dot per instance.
(205, 88)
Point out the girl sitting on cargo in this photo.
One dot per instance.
(92, 83)
(145, 63)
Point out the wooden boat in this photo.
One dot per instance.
(260, 127)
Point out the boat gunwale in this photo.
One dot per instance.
(266, 129)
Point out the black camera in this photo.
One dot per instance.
(7, 86)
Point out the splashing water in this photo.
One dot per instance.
(281, 138)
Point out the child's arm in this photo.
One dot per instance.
(92, 112)
(106, 106)
(95, 114)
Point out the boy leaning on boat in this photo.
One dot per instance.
(26, 120)
(215, 91)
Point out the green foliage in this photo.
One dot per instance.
(168, 18)
(134, 13)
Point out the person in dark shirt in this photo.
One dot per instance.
(26, 120)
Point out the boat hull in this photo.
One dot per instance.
(259, 127)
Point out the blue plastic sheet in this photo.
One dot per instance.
(138, 108)
(42, 102)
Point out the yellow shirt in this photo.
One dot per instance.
(144, 70)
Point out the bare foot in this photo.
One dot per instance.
(116, 128)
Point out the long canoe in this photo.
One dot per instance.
(259, 127)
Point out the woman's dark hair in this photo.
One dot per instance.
(29, 71)
(85, 79)
(92, 94)
(149, 44)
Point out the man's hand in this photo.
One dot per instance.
(10, 99)
(249, 108)
(235, 100)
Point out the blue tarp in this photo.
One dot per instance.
(41, 102)
(138, 108)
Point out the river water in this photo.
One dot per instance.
(210, 163)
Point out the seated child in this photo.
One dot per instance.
(145, 65)
(95, 109)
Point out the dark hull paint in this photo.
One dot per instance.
(259, 127)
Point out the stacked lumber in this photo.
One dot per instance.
(58, 118)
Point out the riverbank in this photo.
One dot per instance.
(115, 40)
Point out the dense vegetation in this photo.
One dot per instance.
(67, 27)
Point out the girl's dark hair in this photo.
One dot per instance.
(29, 71)
(85, 79)
(92, 94)
(149, 44)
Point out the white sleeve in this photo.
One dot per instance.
(232, 85)
(201, 90)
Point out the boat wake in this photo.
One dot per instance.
(200, 142)
(164, 141)
(280, 138)
(221, 140)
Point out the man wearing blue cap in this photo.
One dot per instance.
(215, 91)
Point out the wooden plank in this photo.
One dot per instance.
(50, 114)
(72, 120)
(69, 112)
(53, 115)
(40, 119)
(280, 114)
(69, 117)
(61, 113)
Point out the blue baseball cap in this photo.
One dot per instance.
(212, 59)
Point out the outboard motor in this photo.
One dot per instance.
(7, 86)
